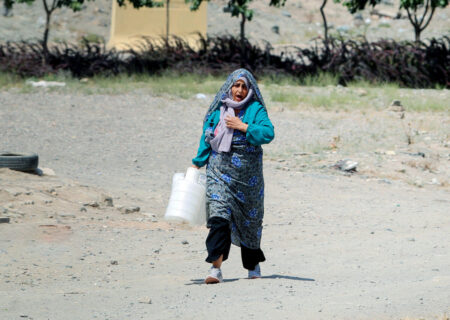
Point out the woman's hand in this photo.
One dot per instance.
(236, 123)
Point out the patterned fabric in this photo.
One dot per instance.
(235, 189)
(224, 90)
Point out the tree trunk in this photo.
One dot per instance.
(46, 32)
(243, 51)
(167, 21)
(417, 32)
(325, 25)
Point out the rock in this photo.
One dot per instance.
(93, 204)
(114, 262)
(343, 29)
(128, 210)
(84, 80)
(390, 153)
(435, 181)
(418, 183)
(145, 300)
(83, 209)
(107, 200)
(66, 215)
(184, 242)
(358, 16)
(4, 219)
(275, 29)
(200, 96)
(286, 14)
(47, 172)
(346, 165)
(396, 106)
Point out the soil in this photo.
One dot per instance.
(347, 245)
(298, 22)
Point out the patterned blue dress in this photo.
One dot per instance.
(235, 189)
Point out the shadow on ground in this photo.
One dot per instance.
(273, 276)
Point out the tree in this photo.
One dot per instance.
(325, 25)
(419, 21)
(239, 8)
(50, 6)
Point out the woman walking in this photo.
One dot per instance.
(234, 128)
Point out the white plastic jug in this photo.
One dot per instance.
(188, 197)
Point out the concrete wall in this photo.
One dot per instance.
(129, 25)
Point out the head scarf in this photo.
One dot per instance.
(223, 100)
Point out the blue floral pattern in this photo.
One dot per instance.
(235, 191)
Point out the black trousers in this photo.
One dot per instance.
(218, 243)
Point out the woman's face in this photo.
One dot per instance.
(239, 90)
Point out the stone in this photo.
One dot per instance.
(107, 200)
(114, 262)
(286, 14)
(145, 300)
(66, 215)
(131, 209)
(275, 29)
(83, 209)
(346, 165)
(47, 172)
(184, 242)
(93, 204)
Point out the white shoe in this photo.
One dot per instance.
(255, 274)
(215, 276)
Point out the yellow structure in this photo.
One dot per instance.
(129, 25)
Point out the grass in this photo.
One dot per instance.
(319, 92)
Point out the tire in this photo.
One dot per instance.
(20, 162)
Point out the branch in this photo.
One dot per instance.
(429, 19)
(427, 5)
(410, 18)
(45, 6)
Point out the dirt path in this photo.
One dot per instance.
(344, 246)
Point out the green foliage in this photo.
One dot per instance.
(415, 4)
(141, 3)
(236, 7)
(355, 5)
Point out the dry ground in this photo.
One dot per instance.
(371, 244)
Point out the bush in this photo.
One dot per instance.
(408, 64)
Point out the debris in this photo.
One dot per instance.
(83, 209)
(46, 84)
(114, 262)
(184, 242)
(390, 153)
(200, 96)
(286, 14)
(346, 165)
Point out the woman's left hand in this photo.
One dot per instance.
(236, 123)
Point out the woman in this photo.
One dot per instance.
(235, 127)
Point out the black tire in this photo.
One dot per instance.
(20, 162)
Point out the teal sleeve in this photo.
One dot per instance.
(261, 130)
(204, 148)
